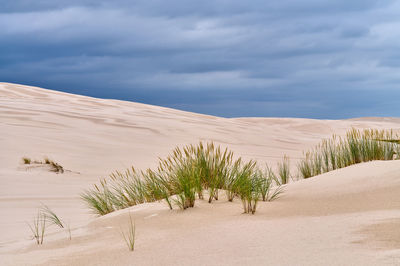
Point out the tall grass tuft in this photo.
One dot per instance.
(100, 200)
(248, 186)
(284, 170)
(231, 183)
(157, 186)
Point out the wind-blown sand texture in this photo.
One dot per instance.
(349, 216)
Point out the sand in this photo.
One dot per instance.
(346, 217)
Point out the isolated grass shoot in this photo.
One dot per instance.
(129, 234)
(38, 227)
(51, 216)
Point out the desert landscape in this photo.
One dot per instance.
(346, 216)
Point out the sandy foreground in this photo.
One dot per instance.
(346, 217)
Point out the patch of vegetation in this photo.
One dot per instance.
(45, 216)
(183, 177)
(188, 172)
(102, 201)
(54, 167)
(356, 147)
(26, 160)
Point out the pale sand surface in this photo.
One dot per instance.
(346, 217)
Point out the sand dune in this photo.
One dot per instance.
(340, 218)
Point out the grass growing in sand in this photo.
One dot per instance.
(268, 191)
(284, 170)
(356, 147)
(188, 172)
(183, 177)
(102, 201)
(38, 227)
(129, 235)
(51, 216)
(46, 216)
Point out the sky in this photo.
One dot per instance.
(327, 59)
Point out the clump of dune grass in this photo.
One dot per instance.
(357, 146)
(214, 165)
(284, 171)
(185, 173)
(231, 184)
(185, 184)
(181, 178)
(248, 186)
(157, 186)
(129, 234)
(38, 227)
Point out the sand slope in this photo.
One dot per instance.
(343, 217)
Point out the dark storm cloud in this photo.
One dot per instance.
(314, 58)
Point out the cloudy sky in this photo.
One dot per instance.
(291, 58)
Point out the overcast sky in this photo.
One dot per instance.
(292, 58)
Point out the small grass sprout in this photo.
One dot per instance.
(130, 234)
(38, 227)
